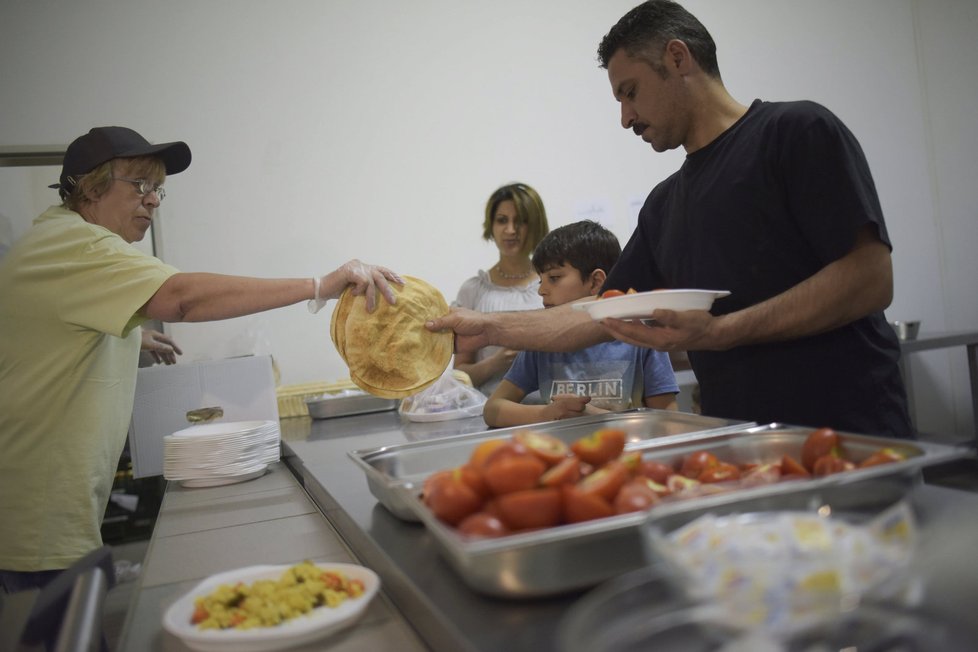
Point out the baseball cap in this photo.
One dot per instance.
(103, 144)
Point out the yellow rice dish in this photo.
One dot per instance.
(266, 603)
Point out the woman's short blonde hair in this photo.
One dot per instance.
(96, 183)
(529, 209)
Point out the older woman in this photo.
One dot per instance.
(515, 221)
(73, 293)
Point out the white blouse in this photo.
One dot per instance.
(481, 294)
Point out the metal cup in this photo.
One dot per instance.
(906, 330)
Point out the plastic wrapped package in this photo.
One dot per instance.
(447, 398)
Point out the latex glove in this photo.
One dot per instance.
(160, 346)
(365, 280)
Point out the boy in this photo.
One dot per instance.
(573, 262)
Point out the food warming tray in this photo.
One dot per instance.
(569, 557)
(391, 468)
(329, 407)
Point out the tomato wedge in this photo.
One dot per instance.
(579, 506)
(530, 508)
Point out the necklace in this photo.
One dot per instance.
(510, 277)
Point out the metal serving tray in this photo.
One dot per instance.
(392, 468)
(569, 557)
(329, 407)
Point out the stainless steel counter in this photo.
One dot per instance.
(929, 341)
(447, 613)
(268, 520)
(424, 603)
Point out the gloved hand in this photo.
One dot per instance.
(160, 346)
(365, 279)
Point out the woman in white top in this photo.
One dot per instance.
(515, 221)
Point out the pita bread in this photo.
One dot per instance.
(337, 324)
(390, 353)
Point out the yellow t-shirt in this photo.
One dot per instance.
(69, 348)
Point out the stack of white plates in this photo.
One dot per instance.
(212, 454)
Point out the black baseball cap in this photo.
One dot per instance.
(103, 144)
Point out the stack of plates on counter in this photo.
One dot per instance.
(212, 454)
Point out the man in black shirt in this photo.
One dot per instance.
(775, 203)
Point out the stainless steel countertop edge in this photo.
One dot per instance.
(435, 630)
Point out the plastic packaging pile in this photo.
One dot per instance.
(448, 398)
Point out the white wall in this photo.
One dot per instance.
(323, 131)
(949, 85)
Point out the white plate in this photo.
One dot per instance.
(642, 304)
(304, 629)
(447, 415)
(221, 428)
(221, 481)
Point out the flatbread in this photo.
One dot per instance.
(390, 353)
(337, 323)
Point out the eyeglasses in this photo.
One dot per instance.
(144, 187)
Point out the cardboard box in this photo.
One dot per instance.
(243, 387)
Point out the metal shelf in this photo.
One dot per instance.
(21, 156)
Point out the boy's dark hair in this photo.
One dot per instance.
(585, 246)
(644, 31)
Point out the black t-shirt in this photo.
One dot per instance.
(764, 206)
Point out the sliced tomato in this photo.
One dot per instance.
(567, 471)
(491, 508)
(883, 456)
(697, 462)
(606, 481)
(513, 473)
(579, 506)
(819, 443)
(608, 294)
(656, 470)
(545, 446)
(678, 484)
(509, 448)
(632, 461)
(635, 496)
(600, 446)
(795, 476)
(830, 464)
(451, 499)
(530, 508)
(480, 455)
(660, 488)
(432, 480)
(791, 466)
(474, 477)
(482, 525)
(721, 472)
(761, 475)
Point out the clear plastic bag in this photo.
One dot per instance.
(447, 398)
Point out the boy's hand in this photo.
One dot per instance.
(565, 406)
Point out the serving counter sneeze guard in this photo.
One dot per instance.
(575, 556)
